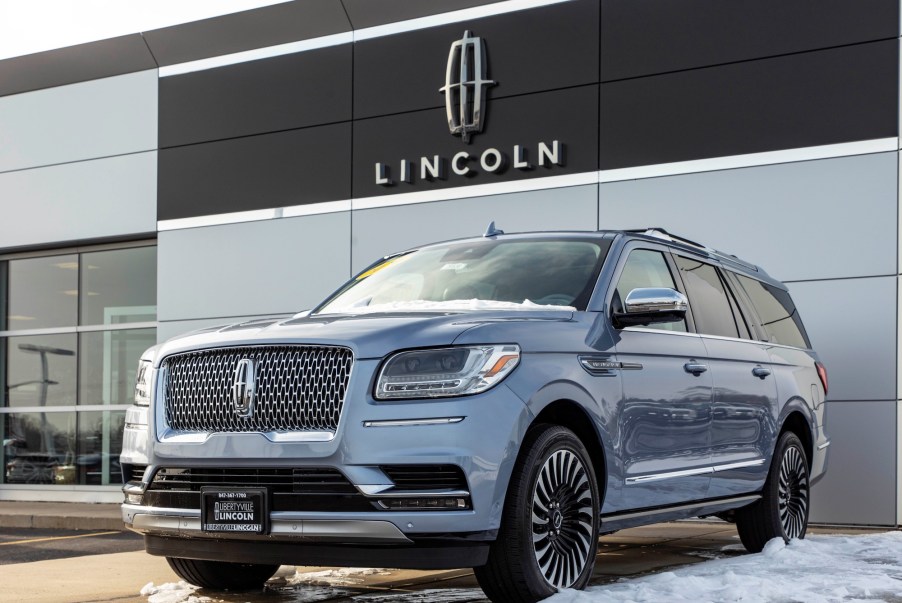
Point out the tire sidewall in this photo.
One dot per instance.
(548, 442)
(787, 440)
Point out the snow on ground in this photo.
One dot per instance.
(336, 577)
(819, 569)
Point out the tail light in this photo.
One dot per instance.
(822, 373)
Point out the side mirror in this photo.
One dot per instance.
(651, 305)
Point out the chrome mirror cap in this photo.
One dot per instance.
(654, 300)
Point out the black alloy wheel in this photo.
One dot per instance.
(782, 511)
(549, 530)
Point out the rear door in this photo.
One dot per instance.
(745, 391)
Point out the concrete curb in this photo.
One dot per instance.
(60, 516)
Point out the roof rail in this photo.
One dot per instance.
(659, 233)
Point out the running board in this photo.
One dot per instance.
(629, 519)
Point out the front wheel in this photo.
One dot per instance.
(221, 575)
(782, 511)
(549, 529)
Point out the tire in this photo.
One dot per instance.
(221, 575)
(549, 529)
(782, 511)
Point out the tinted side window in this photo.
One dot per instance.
(707, 298)
(645, 268)
(778, 314)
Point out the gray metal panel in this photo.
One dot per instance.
(793, 219)
(852, 326)
(80, 63)
(111, 197)
(101, 118)
(269, 267)
(860, 484)
(378, 232)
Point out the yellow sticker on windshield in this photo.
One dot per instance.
(379, 267)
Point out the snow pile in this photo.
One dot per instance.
(449, 306)
(177, 592)
(336, 577)
(817, 569)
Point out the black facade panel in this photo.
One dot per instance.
(257, 172)
(824, 97)
(368, 13)
(567, 116)
(642, 37)
(247, 30)
(95, 60)
(527, 51)
(281, 93)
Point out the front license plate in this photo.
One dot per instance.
(233, 510)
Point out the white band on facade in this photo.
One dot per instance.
(466, 14)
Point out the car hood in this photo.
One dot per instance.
(370, 335)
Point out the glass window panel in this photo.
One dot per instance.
(39, 370)
(119, 286)
(36, 446)
(107, 364)
(96, 462)
(645, 268)
(778, 314)
(707, 298)
(42, 292)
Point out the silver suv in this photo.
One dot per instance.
(494, 403)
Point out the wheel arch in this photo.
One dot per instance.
(570, 414)
(796, 422)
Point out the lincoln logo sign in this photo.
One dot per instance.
(243, 385)
(464, 98)
(465, 103)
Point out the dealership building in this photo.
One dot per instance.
(246, 165)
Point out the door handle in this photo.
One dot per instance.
(760, 372)
(695, 368)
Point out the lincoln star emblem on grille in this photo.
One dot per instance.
(465, 83)
(243, 386)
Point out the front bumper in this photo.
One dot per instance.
(484, 444)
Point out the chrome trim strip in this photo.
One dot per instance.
(824, 445)
(407, 422)
(697, 505)
(136, 426)
(385, 491)
(281, 526)
(689, 472)
(641, 479)
(740, 465)
(170, 436)
(257, 54)
(862, 147)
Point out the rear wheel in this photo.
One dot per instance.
(782, 511)
(221, 575)
(549, 530)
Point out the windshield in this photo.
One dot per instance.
(513, 274)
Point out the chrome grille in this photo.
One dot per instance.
(298, 388)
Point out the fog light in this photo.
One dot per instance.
(134, 499)
(425, 504)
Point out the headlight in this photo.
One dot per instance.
(445, 372)
(142, 383)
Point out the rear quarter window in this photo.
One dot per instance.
(779, 317)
